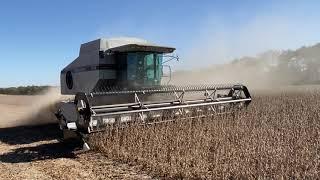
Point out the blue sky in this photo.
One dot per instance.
(39, 37)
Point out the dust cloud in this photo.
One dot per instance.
(254, 77)
(29, 110)
(209, 56)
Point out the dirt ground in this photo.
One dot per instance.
(33, 152)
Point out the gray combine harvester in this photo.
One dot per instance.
(120, 81)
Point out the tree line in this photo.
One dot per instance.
(24, 90)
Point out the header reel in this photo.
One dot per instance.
(188, 101)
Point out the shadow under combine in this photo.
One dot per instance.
(40, 152)
(29, 134)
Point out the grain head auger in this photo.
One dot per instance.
(120, 81)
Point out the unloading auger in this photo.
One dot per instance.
(119, 81)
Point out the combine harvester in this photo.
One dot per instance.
(120, 81)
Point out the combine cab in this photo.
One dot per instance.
(120, 81)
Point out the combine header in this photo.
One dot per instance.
(120, 81)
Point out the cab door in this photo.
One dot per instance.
(149, 69)
(144, 69)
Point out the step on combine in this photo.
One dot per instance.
(122, 80)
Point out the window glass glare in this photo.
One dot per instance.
(150, 74)
(159, 66)
(149, 59)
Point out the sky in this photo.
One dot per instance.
(40, 37)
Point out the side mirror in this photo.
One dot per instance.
(170, 58)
